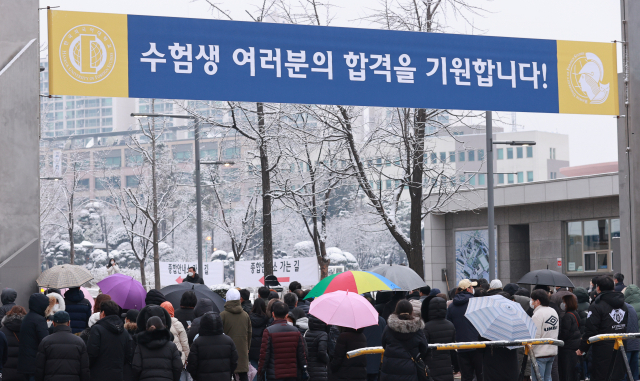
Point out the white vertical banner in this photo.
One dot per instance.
(57, 163)
(175, 272)
(287, 270)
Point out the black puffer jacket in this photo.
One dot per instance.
(607, 314)
(62, 356)
(154, 297)
(438, 330)
(78, 308)
(11, 329)
(465, 331)
(317, 338)
(8, 299)
(185, 315)
(32, 331)
(109, 347)
(569, 331)
(349, 369)
(150, 311)
(258, 325)
(400, 334)
(194, 279)
(157, 357)
(213, 355)
(203, 306)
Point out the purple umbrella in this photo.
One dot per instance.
(127, 292)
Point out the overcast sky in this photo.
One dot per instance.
(592, 139)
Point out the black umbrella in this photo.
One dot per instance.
(174, 293)
(546, 278)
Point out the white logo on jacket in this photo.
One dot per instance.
(617, 315)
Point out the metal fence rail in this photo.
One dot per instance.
(618, 346)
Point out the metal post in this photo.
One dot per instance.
(196, 137)
(493, 266)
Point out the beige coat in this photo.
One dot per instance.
(180, 338)
(237, 325)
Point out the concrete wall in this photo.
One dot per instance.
(19, 169)
(540, 224)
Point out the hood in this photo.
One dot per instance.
(154, 297)
(632, 294)
(258, 321)
(152, 310)
(74, 295)
(53, 298)
(12, 322)
(131, 327)
(511, 288)
(233, 306)
(581, 294)
(437, 309)
(210, 324)
(154, 339)
(613, 298)
(405, 326)
(462, 298)
(203, 306)
(38, 303)
(93, 319)
(303, 323)
(316, 324)
(8, 296)
(112, 323)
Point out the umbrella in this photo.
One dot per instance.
(174, 293)
(403, 276)
(344, 309)
(354, 281)
(63, 276)
(86, 293)
(498, 318)
(127, 292)
(546, 278)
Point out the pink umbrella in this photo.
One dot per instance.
(86, 293)
(344, 309)
(127, 292)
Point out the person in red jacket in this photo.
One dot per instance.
(282, 354)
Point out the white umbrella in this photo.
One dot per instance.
(63, 276)
(403, 276)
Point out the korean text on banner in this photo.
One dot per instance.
(287, 270)
(175, 272)
(179, 58)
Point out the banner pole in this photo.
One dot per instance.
(493, 266)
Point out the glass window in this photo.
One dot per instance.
(106, 101)
(520, 177)
(80, 103)
(500, 178)
(615, 228)
(107, 121)
(529, 151)
(452, 157)
(113, 162)
(589, 261)
(574, 246)
(510, 178)
(388, 184)
(83, 184)
(71, 114)
(107, 111)
(461, 156)
(92, 103)
(182, 155)
(519, 153)
(378, 162)
(59, 105)
(70, 105)
(482, 179)
(509, 153)
(213, 153)
(133, 181)
(500, 153)
(550, 153)
(472, 155)
(443, 157)
(58, 115)
(529, 176)
(434, 158)
(596, 235)
(93, 122)
(135, 159)
(480, 154)
(472, 180)
(70, 125)
(234, 153)
(92, 112)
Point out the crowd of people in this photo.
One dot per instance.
(274, 337)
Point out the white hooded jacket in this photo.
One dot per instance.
(547, 327)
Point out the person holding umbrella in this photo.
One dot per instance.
(470, 360)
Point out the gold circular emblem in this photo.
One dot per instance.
(87, 54)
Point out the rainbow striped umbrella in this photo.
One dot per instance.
(358, 282)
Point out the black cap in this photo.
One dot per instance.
(61, 317)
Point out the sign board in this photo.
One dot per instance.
(332, 270)
(117, 55)
(175, 272)
(57, 163)
(559, 262)
(251, 273)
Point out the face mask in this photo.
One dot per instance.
(563, 306)
(531, 304)
(191, 274)
(56, 308)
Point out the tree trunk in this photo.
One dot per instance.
(72, 249)
(267, 234)
(415, 193)
(322, 261)
(143, 277)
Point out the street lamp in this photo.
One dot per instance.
(493, 266)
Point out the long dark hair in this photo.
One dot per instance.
(109, 262)
(259, 307)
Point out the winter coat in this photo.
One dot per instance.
(438, 330)
(465, 331)
(213, 354)
(62, 356)
(258, 325)
(547, 327)
(570, 331)
(632, 296)
(32, 331)
(154, 297)
(185, 315)
(316, 339)
(157, 357)
(619, 287)
(113, 269)
(282, 354)
(109, 348)
(632, 327)
(297, 312)
(302, 324)
(203, 306)
(150, 311)
(374, 339)
(180, 338)
(11, 329)
(400, 334)
(607, 314)
(79, 309)
(583, 305)
(237, 325)
(193, 279)
(390, 306)
(247, 306)
(304, 305)
(8, 299)
(4, 350)
(349, 369)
